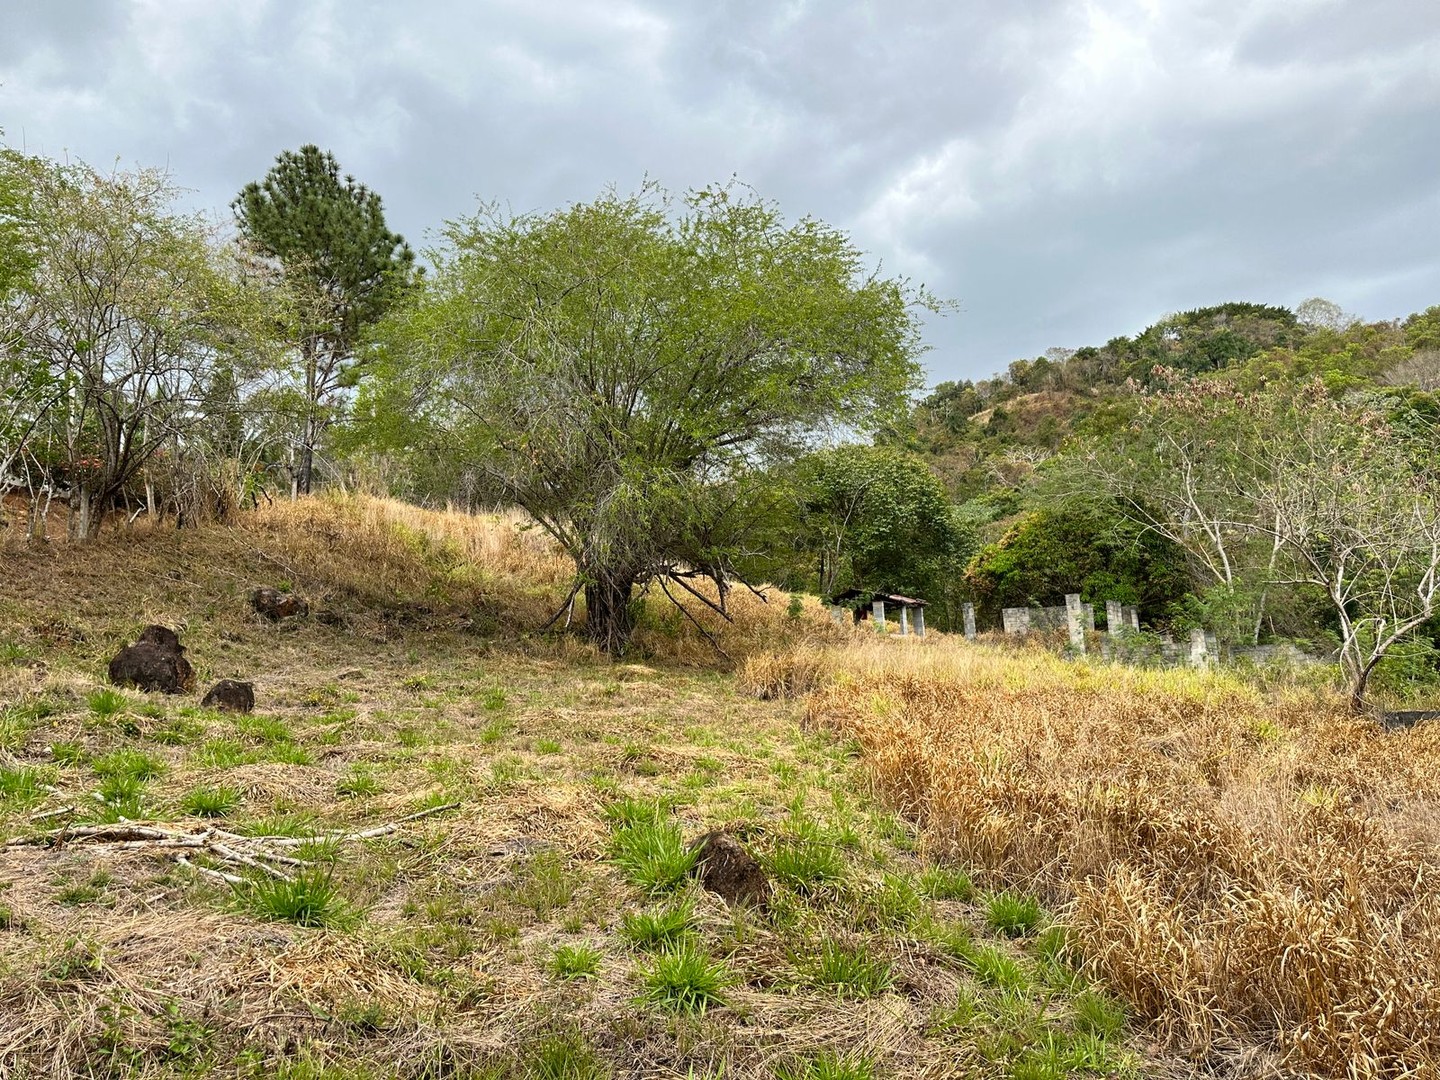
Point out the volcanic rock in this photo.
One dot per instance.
(155, 662)
(228, 695)
(276, 605)
(726, 868)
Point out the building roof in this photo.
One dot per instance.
(870, 597)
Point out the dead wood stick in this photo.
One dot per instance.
(230, 879)
(232, 855)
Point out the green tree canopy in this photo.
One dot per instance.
(343, 268)
(624, 368)
(878, 518)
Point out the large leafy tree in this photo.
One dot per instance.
(879, 518)
(124, 314)
(624, 369)
(342, 267)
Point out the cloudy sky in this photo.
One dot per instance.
(1066, 171)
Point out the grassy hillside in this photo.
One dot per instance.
(485, 832)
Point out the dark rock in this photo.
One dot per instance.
(1408, 718)
(155, 662)
(726, 868)
(228, 695)
(276, 605)
(162, 636)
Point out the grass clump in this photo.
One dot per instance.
(1013, 915)
(22, 786)
(659, 928)
(128, 764)
(311, 898)
(995, 967)
(685, 979)
(806, 859)
(575, 962)
(210, 801)
(946, 883)
(849, 970)
(653, 855)
(1098, 1014)
(827, 1065)
(358, 783)
(564, 1055)
(107, 703)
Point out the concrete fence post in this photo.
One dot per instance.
(1132, 618)
(877, 609)
(1089, 610)
(1212, 648)
(1197, 648)
(904, 620)
(837, 614)
(969, 611)
(919, 622)
(1114, 618)
(1073, 621)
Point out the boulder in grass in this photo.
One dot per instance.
(275, 605)
(726, 868)
(155, 662)
(230, 695)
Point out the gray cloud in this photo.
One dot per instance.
(1066, 170)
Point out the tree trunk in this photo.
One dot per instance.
(609, 621)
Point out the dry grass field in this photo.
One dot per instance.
(446, 845)
(1255, 874)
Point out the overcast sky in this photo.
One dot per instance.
(1065, 171)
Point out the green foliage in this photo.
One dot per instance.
(827, 1065)
(107, 703)
(659, 927)
(683, 978)
(22, 786)
(575, 961)
(128, 763)
(652, 855)
(683, 346)
(311, 898)
(878, 518)
(1011, 914)
(805, 859)
(848, 970)
(946, 883)
(1091, 550)
(565, 1055)
(210, 801)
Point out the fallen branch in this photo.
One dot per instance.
(227, 850)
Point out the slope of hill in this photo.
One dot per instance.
(446, 845)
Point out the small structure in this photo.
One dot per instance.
(866, 604)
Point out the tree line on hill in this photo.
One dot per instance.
(687, 389)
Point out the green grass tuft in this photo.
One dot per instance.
(1013, 915)
(575, 962)
(312, 898)
(128, 764)
(685, 979)
(848, 970)
(653, 856)
(827, 1065)
(210, 801)
(659, 928)
(946, 883)
(107, 703)
(21, 786)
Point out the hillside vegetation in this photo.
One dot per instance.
(537, 917)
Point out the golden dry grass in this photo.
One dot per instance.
(427, 684)
(1245, 869)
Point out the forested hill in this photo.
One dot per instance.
(984, 437)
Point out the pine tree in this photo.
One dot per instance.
(341, 266)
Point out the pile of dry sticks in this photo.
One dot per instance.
(224, 849)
